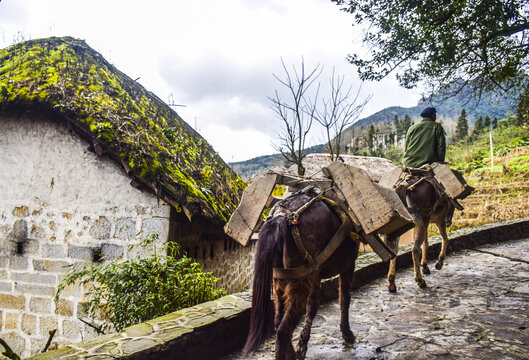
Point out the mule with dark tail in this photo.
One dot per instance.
(277, 250)
(427, 205)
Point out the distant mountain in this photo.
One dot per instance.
(447, 111)
(253, 167)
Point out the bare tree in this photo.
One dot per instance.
(297, 113)
(338, 112)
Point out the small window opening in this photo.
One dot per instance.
(97, 255)
(20, 248)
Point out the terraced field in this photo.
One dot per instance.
(501, 193)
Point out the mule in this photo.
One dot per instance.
(427, 206)
(293, 298)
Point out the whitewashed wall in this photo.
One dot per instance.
(60, 201)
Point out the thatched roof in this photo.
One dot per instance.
(313, 163)
(70, 82)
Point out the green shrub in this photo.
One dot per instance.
(394, 154)
(514, 143)
(519, 163)
(136, 290)
(475, 155)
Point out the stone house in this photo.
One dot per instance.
(90, 159)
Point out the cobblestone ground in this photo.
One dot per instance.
(476, 307)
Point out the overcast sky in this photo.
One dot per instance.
(215, 57)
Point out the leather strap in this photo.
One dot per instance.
(299, 243)
(310, 267)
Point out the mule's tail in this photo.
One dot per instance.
(267, 256)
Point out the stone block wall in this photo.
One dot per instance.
(60, 205)
(229, 261)
(216, 252)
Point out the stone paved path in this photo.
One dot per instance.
(476, 307)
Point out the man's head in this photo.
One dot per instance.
(429, 112)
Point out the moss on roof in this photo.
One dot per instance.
(67, 78)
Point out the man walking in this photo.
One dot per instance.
(425, 141)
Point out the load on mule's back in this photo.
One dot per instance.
(309, 236)
(428, 188)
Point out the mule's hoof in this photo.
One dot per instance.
(301, 353)
(392, 288)
(421, 283)
(426, 270)
(348, 336)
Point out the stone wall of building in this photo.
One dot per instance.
(216, 252)
(229, 261)
(60, 204)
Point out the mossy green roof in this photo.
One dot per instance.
(69, 80)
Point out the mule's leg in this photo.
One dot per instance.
(442, 230)
(420, 235)
(279, 305)
(346, 280)
(313, 302)
(294, 302)
(393, 244)
(424, 257)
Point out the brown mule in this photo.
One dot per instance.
(427, 206)
(276, 248)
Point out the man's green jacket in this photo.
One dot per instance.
(425, 144)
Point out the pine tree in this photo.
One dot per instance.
(462, 126)
(398, 125)
(478, 127)
(486, 123)
(370, 138)
(495, 122)
(406, 123)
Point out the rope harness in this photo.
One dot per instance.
(293, 219)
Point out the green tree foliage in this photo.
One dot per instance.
(495, 123)
(452, 45)
(474, 155)
(478, 127)
(522, 111)
(394, 154)
(462, 126)
(371, 138)
(398, 126)
(137, 290)
(406, 123)
(486, 123)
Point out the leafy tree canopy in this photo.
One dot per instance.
(452, 46)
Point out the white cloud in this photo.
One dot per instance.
(229, 141)
(216, 57)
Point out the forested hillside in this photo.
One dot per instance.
(381, 140)
(256, 166)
